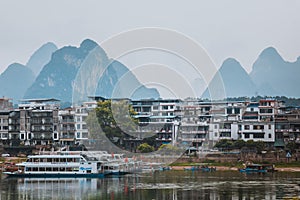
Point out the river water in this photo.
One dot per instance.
(159, 185)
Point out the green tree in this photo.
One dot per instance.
(291, 146)
(145, 148)
(93, 125)
(116, 119)
(225, 144)
(238, 144)
(250, 143)
(260, 146)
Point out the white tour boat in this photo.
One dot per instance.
(59, 166)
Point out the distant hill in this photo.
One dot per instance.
(15, 80)
(117, 82)
(73, 73)
(271, 75)
(55, 79)
(73, 69)
(234, 79)
(275, 76)
(41, 57)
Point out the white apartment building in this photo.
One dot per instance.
(81, 114)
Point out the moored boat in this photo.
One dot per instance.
(200, 168)
(257, 168)
(58, 166)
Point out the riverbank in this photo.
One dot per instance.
(226, 168)
(219, 167)
(294, 167)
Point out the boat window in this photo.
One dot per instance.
(55, 169)
(88, 171)
(56, 160)
(62, 169)
(68, 169)
(35, 169)
(48, 169)
(49, 159)
(75, 169)
(63, 160)
(42, 169)
(98, 165)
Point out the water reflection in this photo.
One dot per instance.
(160, 185)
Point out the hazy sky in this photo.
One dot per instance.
(230, 28)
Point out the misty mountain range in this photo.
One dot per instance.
(53, 73)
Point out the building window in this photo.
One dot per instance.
(269, 126)
(55, 136)
(78, 135)
(216, 134)
(258, 127)
(78, 119)
(78, 126)
(270, 135)
(229, 110)
(258, 135)
(22, 136)
(225, 134)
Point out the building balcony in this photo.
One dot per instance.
(68, 121)
(42, 138)
(251, 131)
(192, 139)
(67, 137)
(163, 139)
(67, 129)
(225, 130)
(193, 132)
(42, 130)
(224, 137)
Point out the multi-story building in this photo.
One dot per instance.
(81, 114)
(287, 126)
(6, 107)
(170, 121)
(35, 122)
(258, 122)
(67, 129)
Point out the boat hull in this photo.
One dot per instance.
(54, 175)
(253, 170)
